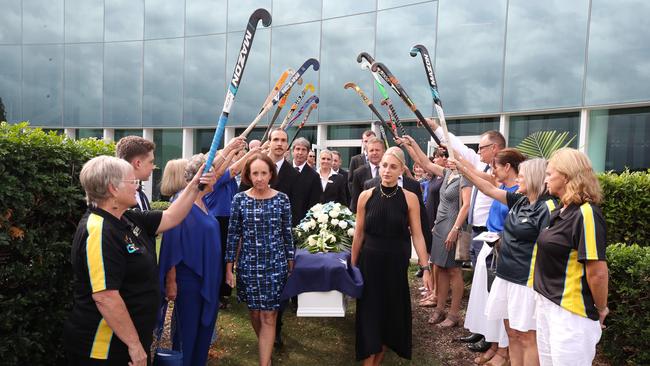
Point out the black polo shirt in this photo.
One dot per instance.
(574, 236)
(113, 254)
(520, 230)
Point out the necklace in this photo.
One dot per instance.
(388, 195)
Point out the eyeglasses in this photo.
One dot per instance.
(484, 146)
(132, 181)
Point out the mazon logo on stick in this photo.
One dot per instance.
(241, 62)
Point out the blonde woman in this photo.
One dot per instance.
(173, 179)
(571, 275)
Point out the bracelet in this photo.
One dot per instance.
(425, 268)
(457, 228)
(605, 308)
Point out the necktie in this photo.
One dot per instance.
(144, 202)
(472, 202)
(298, 169)
(376, 171)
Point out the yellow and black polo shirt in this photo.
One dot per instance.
(574, 236)
(113, 254)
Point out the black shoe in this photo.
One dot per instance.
(419, 273)
(278, 341)
(472, 338)
(480, 346)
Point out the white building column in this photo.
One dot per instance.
(583, 136)
(109, 134)
(321, 136)
(228, 134)
(504, 125)
(188, 143)
(69, 133)
(147, 186)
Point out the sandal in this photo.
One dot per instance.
(437, 316)
(428, 303)
(450, 322)
(483, 358)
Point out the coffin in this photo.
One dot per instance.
(321, 304)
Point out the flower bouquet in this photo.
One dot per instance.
(326, 228)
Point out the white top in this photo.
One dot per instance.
(483, 202)
(278, 165)
(323, 182)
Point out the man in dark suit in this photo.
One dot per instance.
(360, 160)
(336, 165)
(375, 149)
(307, 187)
(139, 153)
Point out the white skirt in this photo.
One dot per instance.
(514, 302)
(475, 319)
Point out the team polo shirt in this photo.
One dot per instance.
(520, 230)
(574, 236)
(113, 254)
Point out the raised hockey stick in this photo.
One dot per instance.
(383, 71)
(257, 16)
(285, 89)
(368, 103)
(304, 120)
(294, 106)
(281, 104)
(308, 102)
(431, 77)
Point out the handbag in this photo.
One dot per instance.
(165, 356)
(464, 240)
(492, 269)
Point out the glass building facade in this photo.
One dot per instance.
(160, 68)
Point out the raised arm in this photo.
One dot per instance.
(481, 184)
(419, 156)
(455, 143)
(225, 156)
(237, 166)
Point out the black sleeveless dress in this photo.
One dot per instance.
(383, 314)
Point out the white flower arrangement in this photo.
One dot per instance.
(326, 228)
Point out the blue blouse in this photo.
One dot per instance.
(499, 211)
(219, 201)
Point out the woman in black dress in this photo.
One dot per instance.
(382, 250)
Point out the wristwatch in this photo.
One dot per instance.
(425, 268)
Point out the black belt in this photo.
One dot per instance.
(479, 228)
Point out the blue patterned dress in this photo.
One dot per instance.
(264, 228)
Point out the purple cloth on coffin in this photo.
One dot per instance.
(323, 272)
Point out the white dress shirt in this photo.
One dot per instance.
(278, 165)
(372, 169)
(300, 167)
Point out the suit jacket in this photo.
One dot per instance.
(356, 162)
(336, 191)
(344, 173)
(413, 186)
(306, 192)
(360, 176)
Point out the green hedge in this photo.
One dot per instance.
(41, 202)
(160, 205)
(627, 207)
(626, 339)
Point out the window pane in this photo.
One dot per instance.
(618, 62)
(294, 11)
(124, 20)
(293, 45)
(469, 55)
(254, 85)
(545, 54)
(10, 85)
(168, 146)
(84, 20)
(203, 140)
(43, 21)
(472, 126)
(384, 4)
(205, 84)
(308, 132)
(343, 39)
(205, 16)
(42, 84)
(84, 133)
(10, 18)
(523, 126)
(255, 134)
(240, 11)
(83, 85)
(163, 83)
(163, 18)
(118, 134)
(337, 8)
(399, 29)
(123, 84)
(625, 133)
(349, 132)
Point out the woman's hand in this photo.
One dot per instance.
(208, 179)
(235, 144)
(451, 238)
(290, 265)
(427, 280)
(230, 278)
(138, 355)
(602, 314)
(171, 290)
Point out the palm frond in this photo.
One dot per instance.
(542, 144)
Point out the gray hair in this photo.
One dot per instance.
(100, 172)
(325, 151)
(337, 153)
(193, 166)
(534, 172)
(301, 141)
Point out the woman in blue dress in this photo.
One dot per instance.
(261, 243)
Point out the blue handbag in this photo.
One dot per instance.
(166, 356)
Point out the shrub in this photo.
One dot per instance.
(627, 206)
(627, 336)
(160, 205)
(41, 202)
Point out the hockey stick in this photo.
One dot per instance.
(244, 52)
(383, 71)
(281, 104)
(308, 102)
(366, 62)
(294, 106)
(368, 103)
(304, 120)
(431, 77)
(285, 89)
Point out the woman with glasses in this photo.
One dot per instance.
(116, 288)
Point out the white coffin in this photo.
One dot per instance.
(321, 304)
